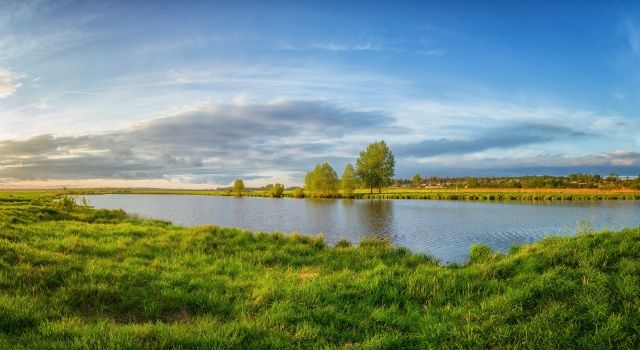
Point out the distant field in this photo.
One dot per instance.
(470, 194)
(79, 278)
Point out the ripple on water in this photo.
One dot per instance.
(443, 229)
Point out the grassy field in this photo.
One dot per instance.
(80, 278)
(468, 194)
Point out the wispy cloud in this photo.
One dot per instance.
(633, 36)
(31, 28)
(333, 46)
(8, 83)
(623, 162)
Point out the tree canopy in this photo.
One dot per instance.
(416, 180)
(238, 187)
(276, 190)
(375, 166)
(349, 181)
(322, 181)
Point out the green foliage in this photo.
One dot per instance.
(348, 182)
(238, 188)
(65, 203)
(276, 190)
(501, 196)
(416, 180)
(375, 166)
(322, 181)
(297, 193)
(92, 279)
(582, 181)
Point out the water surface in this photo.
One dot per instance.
(444, 229)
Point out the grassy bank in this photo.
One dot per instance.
(98, 279)
(493, 195)
(466, 194)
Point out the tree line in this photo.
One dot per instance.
(595, 181)
(375, 167)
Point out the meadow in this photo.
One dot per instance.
(74, 277)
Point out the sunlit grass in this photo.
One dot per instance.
(99, 279)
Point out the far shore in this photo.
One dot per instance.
(431, 193)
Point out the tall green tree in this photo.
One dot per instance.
(349, 181)
(322, 181)
(416, 180)
(375, 166)
(238, 187)
(276, 190)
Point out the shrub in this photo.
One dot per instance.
(298, 193)
(66, 203)
(276, 191)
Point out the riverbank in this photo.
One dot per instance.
(78, 278)
(466, 194)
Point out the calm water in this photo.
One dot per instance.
(444, 229)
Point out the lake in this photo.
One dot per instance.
(443, 229)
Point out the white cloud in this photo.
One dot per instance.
(8, 83)
(633, 37)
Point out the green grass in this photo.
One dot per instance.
(503, 196)
(99, 279)
(470, 194)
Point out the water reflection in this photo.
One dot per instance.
(444, 229)
(375, 217)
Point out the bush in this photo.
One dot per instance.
(276, 191)
(66, 203)
(298, 193)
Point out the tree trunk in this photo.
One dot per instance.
(371, 190)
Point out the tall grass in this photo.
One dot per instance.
(100, 279)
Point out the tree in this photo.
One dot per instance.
(348, 181)
(375, 166)
(416, 180)
(238, 187)
(322, 181)
(276, 190)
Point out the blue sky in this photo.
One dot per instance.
(193, 94)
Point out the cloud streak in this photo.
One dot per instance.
(506, 137)
(8, 83)
(623, 162)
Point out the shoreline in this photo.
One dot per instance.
(471, 194)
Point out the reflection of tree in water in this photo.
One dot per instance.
(376, 217)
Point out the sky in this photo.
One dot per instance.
(195, 94)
